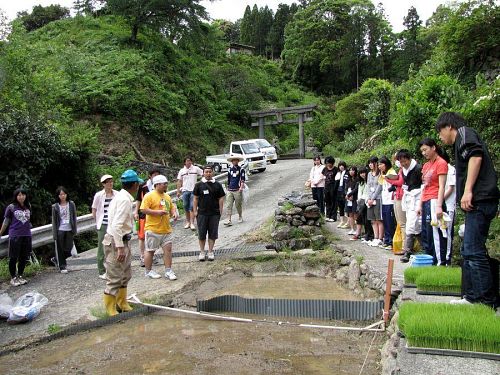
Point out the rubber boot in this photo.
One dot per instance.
(110, 304)
(121, 300)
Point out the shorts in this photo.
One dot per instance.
(187, 200)
(351, 209)
(375, 212)
(208, 224)
(140, 232)
(155, 241)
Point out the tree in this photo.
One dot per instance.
(276, 37)
(173, 18)
(230, 30)
(41, 16)
(4, 26)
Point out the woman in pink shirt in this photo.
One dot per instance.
(317, 179)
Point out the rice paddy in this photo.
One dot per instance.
(458, 327)
(436, 279)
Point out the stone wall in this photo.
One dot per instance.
(297, 223)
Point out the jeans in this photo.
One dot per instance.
(478, 285)
(389, 223)
(432, 238)
(187, 200)
(318, 193)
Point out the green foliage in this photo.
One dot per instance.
(53, 328)
(31, 269)
(41, 16)
(457, 327)
(327, 258)
(441, 279)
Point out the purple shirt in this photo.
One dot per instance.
(19, 218)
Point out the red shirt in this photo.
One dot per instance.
(430, 177)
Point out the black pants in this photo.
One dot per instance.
(19, 252)
(330, 201)
(318, 193)
(64, 244)
(341, 202)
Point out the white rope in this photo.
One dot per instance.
(368, 352)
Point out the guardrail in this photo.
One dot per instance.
(86, 223)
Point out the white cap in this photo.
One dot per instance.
(106, 177)
(159, 179)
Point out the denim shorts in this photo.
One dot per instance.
(187, 200)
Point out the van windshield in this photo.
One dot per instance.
(263, 143)
(250, 148)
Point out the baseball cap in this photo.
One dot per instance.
(106, 177)
(130, 176)
(159, 179)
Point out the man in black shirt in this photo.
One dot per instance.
(477, 195)
(208, 204)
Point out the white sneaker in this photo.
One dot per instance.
(14, 282)
(103, 276)
(462, 301)
(152, 274)
(375, 242)
(187, 226)
(21, 280)
(64, 270)
(240, 220)
(211, 256)
(201, 257)
(192, 226)
(170, 275)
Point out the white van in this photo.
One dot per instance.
(253, 159)
(267, 149)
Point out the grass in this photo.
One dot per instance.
(412, 273)
(99, 312)
(323, 258)
(261, 234)
(29, 271)
(441, 279)
(53, 328)
(287, 206)
(457, 327)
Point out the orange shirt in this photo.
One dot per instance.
(430, 177)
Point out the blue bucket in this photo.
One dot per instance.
(421, 260)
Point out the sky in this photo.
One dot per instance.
(234, 9)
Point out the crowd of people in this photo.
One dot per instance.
(398, 194)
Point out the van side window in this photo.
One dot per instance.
(237, 149)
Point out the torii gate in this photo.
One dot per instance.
(304, 113)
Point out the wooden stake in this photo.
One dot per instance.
(388, 286)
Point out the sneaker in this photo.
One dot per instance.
(201, 257)
(340, 225)
(170, 275)
(240, 220)
(14, 282)
(462, 301)
(351, 232)
(192, 226)
(345, 226)
(354, 238)
(375, 242)
(228, 223)
(152, 274)
(405, 258)
(64, 270)
(103, 276)
(186, 226)
(211, 256)
(54, 262)
(388, 247)
(21, 280)
(142, 262)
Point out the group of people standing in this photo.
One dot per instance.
(420, 200)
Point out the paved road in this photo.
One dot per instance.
(71, 296)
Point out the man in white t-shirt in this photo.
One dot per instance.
(186, 179)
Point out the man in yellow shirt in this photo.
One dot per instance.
(158, 208)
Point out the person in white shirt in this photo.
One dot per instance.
(116, 244)
(186, 179)
(450, 197)
(317, 179)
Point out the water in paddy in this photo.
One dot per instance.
(166, 343)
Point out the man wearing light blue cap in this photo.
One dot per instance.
(116, 243)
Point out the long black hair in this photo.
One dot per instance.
(431, 143)
(23, 191)
(58, 191)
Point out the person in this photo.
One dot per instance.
(341, 179)
(145, 188)
(158, 208)
(351, 198)
(330, 192)
(361, 219)
(412, 188)
(63, 227)
(374, 202)
(450, 198)
(117, 252)
(100, 206)
(431, 209)
(17, 218)
(397, 185)
(317, 179)
(235, 185)
(186, 179)
(388, 221)
(477, 195)
(208, 205)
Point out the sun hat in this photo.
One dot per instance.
(159, 179)
(131, 176)
(233, 157)
(106, 177)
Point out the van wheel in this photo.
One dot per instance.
(217, 168)
(274, 161)
(261, 169)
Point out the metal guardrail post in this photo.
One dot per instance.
(43, 235)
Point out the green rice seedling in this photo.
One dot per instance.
(411, 274)
(441, 279)
(457, 327)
